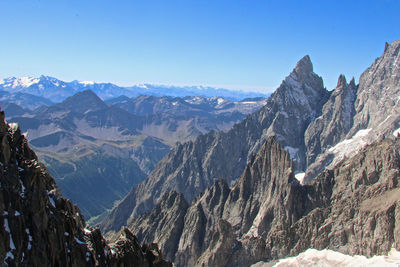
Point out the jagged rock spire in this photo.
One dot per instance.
(304, 66)
(341, 81)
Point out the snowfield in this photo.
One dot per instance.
(330, 258)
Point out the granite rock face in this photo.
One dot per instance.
(41, 228)
(334, 123)
(164, 224)
(193, 166)
(375, 115)
(377, 103)
(267, 214)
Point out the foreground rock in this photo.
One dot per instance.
(41, 228)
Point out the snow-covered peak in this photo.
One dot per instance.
(194, 100)
(141, 85)
(19, 82)
(86, 83)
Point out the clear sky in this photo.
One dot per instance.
(249, 44)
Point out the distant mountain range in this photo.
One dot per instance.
(50, 90)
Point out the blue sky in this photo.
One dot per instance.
(250, 45)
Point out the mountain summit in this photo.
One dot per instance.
(82, 102)
(193, 166)
(304, 67)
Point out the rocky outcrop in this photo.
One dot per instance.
(375, 115)
(41, 228)
(267, 214)
(193, 166)
(377, 104)
(202, 223)
(353, 209)
(335, 121)
(163, 224)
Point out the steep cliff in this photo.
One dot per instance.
(41, 228)
(267, 214)
(376, 114)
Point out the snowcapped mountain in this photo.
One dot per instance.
(57, 90)
(44, 86)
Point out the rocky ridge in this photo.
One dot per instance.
(375, 114)
(267, 214)
(193, 166)
(41, 228)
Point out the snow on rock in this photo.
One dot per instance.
(14, 126)
(85, 83)
(300, 177)
(7, 228)
(350, 146)
(25, 81)
(396, 132)
(330, 258)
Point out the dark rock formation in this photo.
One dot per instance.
(267, 214)
(41, 228)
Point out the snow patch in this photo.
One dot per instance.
(8, 255)
(350, 146)
(14, 126)
(141, 85)
(328, 258)
(7, 228)
(220, 101)
(52, 201)
(396, 132)
(29, 238)
(25, 82)
(300, 177)
(85, 83)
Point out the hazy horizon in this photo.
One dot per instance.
(226, 44)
